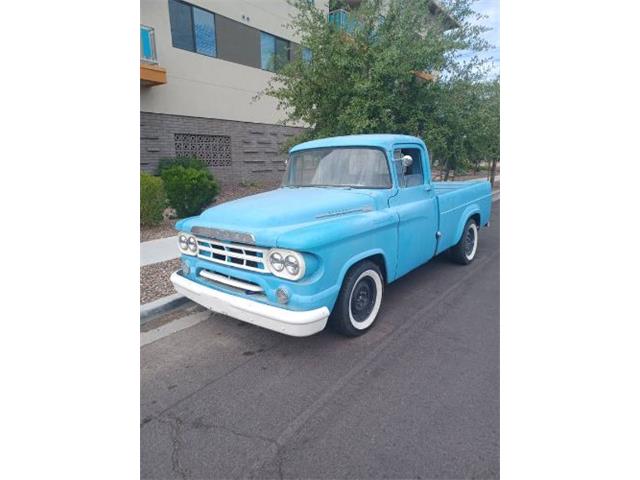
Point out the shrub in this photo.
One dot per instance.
(189, 189)
(186, 162)
(153, 199)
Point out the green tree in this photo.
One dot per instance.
(365, 81)
(466, 128)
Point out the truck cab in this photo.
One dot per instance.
(353, 214)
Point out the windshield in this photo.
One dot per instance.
(338, 167)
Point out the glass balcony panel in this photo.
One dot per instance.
(147, 45)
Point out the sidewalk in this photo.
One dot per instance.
(161, 250)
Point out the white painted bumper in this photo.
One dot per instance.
(289, 322)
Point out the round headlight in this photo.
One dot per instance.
(291, 264)
(276, 261)
(193, 244)
(182, 242)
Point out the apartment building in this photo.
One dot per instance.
(202, 64)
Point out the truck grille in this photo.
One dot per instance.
(233, 254)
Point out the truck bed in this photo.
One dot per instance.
(457, 200)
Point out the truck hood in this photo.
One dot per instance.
(267, 215)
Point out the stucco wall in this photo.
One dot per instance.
(202, 86)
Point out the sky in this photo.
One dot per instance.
(491, 8)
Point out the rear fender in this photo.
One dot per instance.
(466, 214)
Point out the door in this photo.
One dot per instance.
(415, 205)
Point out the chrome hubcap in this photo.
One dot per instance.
(363, 299)
(469, 241)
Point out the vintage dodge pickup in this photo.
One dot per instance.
(353, 214)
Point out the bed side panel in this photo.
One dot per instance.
(457, 202)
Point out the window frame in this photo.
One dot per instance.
(398, 165)
(275, 50)
(287, 175)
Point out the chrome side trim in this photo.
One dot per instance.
(344, 212)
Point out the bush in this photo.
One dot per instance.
(153, 199)
(189, 189)
(186, 162)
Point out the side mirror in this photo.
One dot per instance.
(407, 161)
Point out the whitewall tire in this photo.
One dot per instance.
(360, 298)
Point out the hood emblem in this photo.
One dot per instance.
(227, 235)
(335, 213)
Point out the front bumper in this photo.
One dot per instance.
(289, 322)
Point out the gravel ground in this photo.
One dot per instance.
(227, 193)
(165, 229)
(154, 280)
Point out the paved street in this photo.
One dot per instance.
(416, 397)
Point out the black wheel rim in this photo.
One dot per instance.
(363, 299)
(469, 241)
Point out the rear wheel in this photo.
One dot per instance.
(465, 250)
(359, 300)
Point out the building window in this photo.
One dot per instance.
(192, 28)
(274, 52)
(306, 54)
(204, 32)
(214, 150)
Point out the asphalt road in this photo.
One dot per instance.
(416, 397)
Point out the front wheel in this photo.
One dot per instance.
(359, 300)
(465, 250)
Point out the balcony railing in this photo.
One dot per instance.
(151, 73)
(148, 52)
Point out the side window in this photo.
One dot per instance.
(267, 51)
(204, 31)
(274, 52)
(192, 28)
(306, 54)
(181, 25)
(282, 53)
(412, 175)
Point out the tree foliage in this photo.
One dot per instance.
(364, 81)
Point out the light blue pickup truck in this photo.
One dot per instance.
(353, 214)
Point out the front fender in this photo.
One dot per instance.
(390, 267)
(335, 231)
(342, 241)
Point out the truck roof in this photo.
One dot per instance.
(383, 140)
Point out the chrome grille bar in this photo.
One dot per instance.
(233, 254)
(232, 282)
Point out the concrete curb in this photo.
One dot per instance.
(160, 306)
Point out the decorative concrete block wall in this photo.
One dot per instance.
(234, 151)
